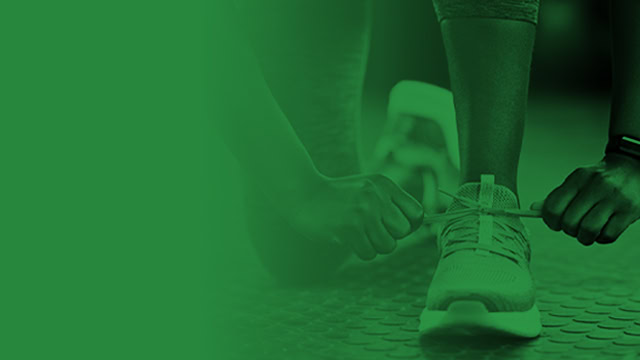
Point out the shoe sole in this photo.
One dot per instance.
(472, 318)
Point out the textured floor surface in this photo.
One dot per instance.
(589, 310)
(589, 297)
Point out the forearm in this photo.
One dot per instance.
(249, 118)
(625, 107)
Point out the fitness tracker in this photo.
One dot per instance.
(624, 144)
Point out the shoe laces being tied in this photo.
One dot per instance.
(478, 226)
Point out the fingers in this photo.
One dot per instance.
(593, 222)
(578, 208)
(583, 207)
(409, 207)
(368, 240)
(380, 239)
(538, 205)
(366, 233)
(616, 225)
(358, 241)
(394, 221)
(383, 214)
(558, 201)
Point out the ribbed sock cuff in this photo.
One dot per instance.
(522, 10)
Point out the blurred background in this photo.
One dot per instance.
(571, 57)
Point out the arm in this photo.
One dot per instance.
(625, 107)
(249, 118)
(365, 213)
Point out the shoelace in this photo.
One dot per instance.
(474, 207)
(466, 223)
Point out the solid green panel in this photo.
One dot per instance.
(103, 174)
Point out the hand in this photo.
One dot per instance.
(366, 213)
(596, 203)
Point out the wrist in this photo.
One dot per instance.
(618, 158)
(298, 188)
(623, 146)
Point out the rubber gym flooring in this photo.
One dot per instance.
(589, 296)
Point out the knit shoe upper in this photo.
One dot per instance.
(484, 253)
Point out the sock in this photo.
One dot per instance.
(522, 10)
(503, 198)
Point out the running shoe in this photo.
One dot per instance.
(483, 284)
(418, 148)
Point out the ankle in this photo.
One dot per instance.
(510, 184)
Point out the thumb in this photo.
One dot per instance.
(538, 205)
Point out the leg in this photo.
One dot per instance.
(483, 282)
(313, 55)
(489, 62)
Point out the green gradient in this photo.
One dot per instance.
(176, 179)
(103, 180)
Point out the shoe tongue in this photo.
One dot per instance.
(503, 198)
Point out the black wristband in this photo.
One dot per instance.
(624, 144)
